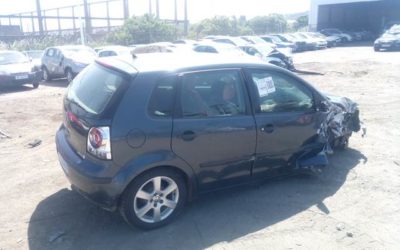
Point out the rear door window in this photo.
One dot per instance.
(94, 88)
(212, 93)
(162, 98)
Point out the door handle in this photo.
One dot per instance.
(269, 128)
(188, 135)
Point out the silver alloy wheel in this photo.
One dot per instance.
(45, 75)
(70, 77)
(156, 199)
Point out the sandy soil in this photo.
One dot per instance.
(355, 204)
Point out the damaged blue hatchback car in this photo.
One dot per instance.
(145, 134)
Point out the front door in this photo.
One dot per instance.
(214, 130)
(285, 116)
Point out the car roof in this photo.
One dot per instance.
(114, 47)
(156, 62)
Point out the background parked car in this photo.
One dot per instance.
(35, 56)
(301, 45)
(390, 40)
(66, 61)
(17, 69)
(320, 43)
(258, 40)
(336, 32)
(114, 51)
(279, 42)
(270, 55)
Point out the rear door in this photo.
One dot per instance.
(287, 122)
(214, 130)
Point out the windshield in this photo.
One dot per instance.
(257, 39)
(230, 49)
(11, 57)
(264, 50)
(282, 38)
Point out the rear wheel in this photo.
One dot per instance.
(70, 75)
(46, 75)
(35, 84)
(154, 199)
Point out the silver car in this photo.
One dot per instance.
(66, 61)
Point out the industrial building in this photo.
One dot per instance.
(371, 15)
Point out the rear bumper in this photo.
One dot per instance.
(20, 79)
(82, 175)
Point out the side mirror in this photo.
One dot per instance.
(323, 106)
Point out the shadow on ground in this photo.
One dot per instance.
(56, 83)
(15, 89)
(64, 220)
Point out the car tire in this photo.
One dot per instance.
(35, 84)
(144, 203)
(46, 75)
(376, 49)
(69, 75)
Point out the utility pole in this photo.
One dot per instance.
(186, 18)
(88, 23)
(150, 8)
(157, 9)
(126, 8)
(39, 15)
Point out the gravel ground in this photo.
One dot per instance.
(355, 204)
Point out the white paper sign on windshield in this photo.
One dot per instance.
(265, 86)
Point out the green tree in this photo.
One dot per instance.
(143, 29)
(272, 23)
(301, 22)
(219, 25)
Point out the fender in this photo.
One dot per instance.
(152, 160)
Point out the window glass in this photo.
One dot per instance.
(280, 93)
(50, 52)
(104, 54)
(94, 87)
(213, 93)
(162, 98)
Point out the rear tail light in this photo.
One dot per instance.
(98, 142)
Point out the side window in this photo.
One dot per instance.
(162, 98)
(278, 92)
(112, 53)
(50, 53)
(104, 53)
(210, 49)
(199, 49)
(212, 93)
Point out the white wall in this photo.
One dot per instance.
(313, 15)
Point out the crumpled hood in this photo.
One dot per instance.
(342, 118)
(16, 68)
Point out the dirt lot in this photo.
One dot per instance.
(355, 204)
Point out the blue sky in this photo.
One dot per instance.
(197, 9)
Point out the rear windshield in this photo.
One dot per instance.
(94, 87)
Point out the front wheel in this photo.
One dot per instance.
(70, 75)
(46, 75)
(154, 199)
(35, 84)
